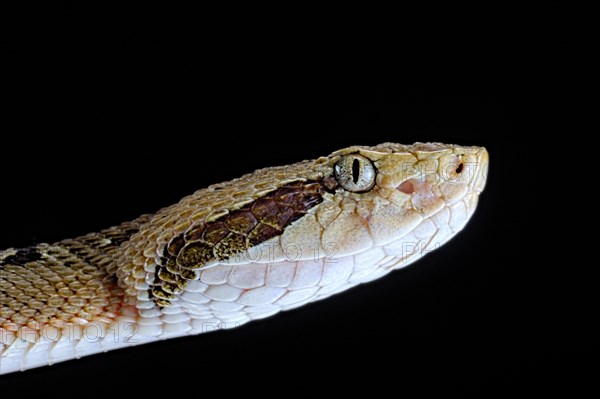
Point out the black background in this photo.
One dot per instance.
(93, 140)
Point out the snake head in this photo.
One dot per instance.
(380, 207)
(405, 200)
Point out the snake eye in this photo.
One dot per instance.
(355, 173)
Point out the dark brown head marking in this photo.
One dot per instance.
(194, 255)
(215, 232)
(240, 229)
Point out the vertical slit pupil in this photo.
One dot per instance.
(355, 170)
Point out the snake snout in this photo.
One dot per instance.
(480, 178)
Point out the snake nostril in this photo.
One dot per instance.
(406, 187)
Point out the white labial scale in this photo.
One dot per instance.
(308, 274)
(400, 247)
(175, 318)
(458, 216)
(409, 257)
(337, 269)
(414, 245)
(215, 275)
(150, 321)
(202, 316)
(151, 330)
(300, 240)
(195, 298)
(247, 276)
(144, 305)
(153, 312)
(336, 289)
(280, 274)
(261, 312)
(348, 234)
(392, 263)
(176, 329)
(296, 305)
(196, 286)
(195, 309)
(425, 230)
(385, 261)
(261, 296)
(295, 296)
(376, 274)
(328, 289)
(176, 309)
(220, 306)
(231, 317)
(366, 262)
(440, 220)
(223, 292)
(471, 203)
(424, 234)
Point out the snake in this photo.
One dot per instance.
(242, 250)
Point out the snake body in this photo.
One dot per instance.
(237, 251)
